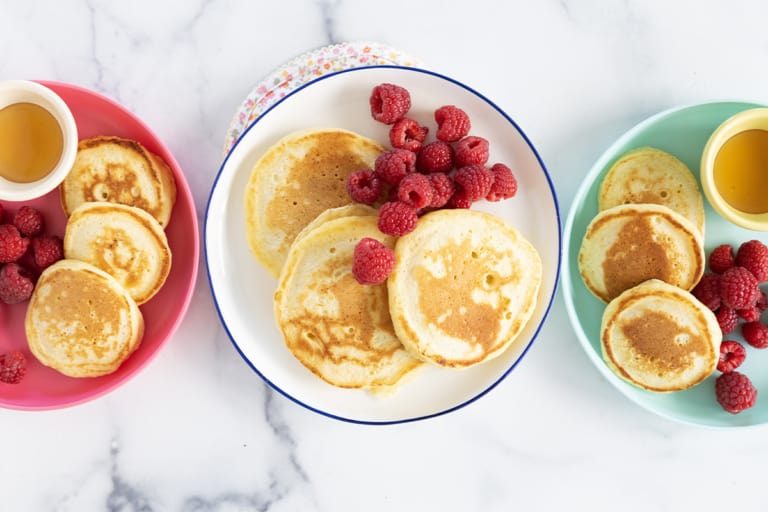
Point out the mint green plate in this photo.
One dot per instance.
(683, 132)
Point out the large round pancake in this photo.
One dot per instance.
(336, 327)
(80, 321)
(120, 171)
(465, 284)
(659, 337)
(124, 241)
(628, 244)
(300, 176)
(650, 175)
(347, 210)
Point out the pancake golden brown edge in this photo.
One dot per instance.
(337, 328)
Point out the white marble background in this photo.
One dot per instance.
(198, 431)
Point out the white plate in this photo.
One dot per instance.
(243, 290)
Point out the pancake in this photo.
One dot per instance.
(465, 283)
(650, 175)
(337, 328)
(348, 210)
(659, 337)
(119, 171)
(299, 177)
(80, 321)
(124, 241)
(628, 244)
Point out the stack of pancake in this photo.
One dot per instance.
(642, 254)
(83, 318)
(465, 283)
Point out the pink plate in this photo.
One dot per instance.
(44, 388)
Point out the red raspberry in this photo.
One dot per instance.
(749, 314)
(452, 123)
(372, 261)
(459, 199)
(47, 250)
(475, 180)
(389, 102)
(442, 188)
(735, 392)
(12, 244)
(364, 186)
(13, 367)
(415, 190)
(753, 256)
(471, 150)
(397, 218)
(28, 221)
(393, 165)
(721, 259)
(407, 134)
(707, 290)
(732, 354)
(504, 183)
(738, 288)
(15, 283)
(436, 156)
(728, 319)
(762, 302)
(2, 213)
(755, 333)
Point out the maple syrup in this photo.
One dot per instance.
(31, 142)
(741, 171)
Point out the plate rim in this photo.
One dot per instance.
(550, 299)
(195, 260)
(567, 285)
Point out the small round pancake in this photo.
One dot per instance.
(659, 337)
(465, 284)
(299, 177)
(124, 241)
(348, 210)
(336, 327)
(80, 321)
(650, 175)
(628, 244)
(119, 171)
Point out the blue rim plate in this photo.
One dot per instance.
(682, 131)
(243, 291)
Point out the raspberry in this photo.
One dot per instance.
(452, 123)
(28, 221)
(397, 218)
(364, 186)
(407, 134)
(762, 301)
(372, 261)
(721, 259)
(749, 314)
(389, 102)
(13, 367)
(442, 188)
(471, 150)
(15, 283)
(2, 213)
(393, 165)
(735, 392)
(753, 256)
(475, 180)
(436, 156)
(12, 244)
(459, 199)
(504, 183)
(707, 291)
(738, 288)
(415, 190)
(732, 354)
(728, 319)
(755, 333)
(47, 250)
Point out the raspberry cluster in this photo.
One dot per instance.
(417, 175)
(731, 288)
(25, 251)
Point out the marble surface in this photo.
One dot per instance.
(197, 430)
